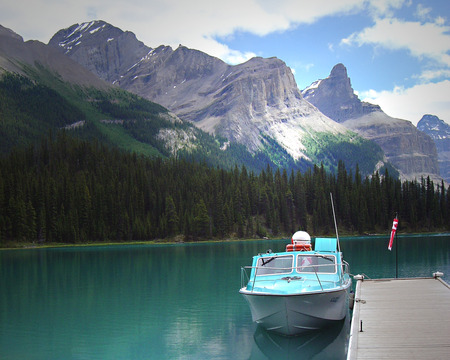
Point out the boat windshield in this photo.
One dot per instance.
(316, 264)
(269, 265)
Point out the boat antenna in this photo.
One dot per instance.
(335, 223)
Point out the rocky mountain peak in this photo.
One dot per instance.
(334, 96)
(339, 71)
(433, 126)
(102, 48)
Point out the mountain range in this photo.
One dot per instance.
(256, 105)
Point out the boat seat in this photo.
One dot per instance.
(325, 244)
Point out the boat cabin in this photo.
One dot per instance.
(319, 268)
(297, 262)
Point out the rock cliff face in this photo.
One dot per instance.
(439, 131)
(412, 152)
(247, 103)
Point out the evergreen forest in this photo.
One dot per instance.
(68, 190)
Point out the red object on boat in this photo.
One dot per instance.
(298, 247)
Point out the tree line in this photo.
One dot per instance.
(68, 190)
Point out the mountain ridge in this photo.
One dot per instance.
(251, 104)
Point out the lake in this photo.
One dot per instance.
(171, 301)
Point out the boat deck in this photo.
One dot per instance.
(401, 319)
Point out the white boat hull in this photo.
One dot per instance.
(297, 313)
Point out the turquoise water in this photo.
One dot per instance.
(170, 301)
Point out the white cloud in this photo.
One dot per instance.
(422, 40)
(412, 103)
(386, 7)
(429, 75)
(440, 20)
(423, 12)
(204, 21)
(196, 23)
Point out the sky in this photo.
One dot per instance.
(397, 52)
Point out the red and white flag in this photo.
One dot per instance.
(394, 229)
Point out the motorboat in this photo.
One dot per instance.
(300, 289)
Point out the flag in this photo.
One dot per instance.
(394, 229)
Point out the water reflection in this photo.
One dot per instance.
(329, 343)
(170, 301)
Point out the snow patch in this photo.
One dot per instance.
(146, 57)
(75, 125)
(225, 146)
(97, 29)
(66, 43)
(313, 86)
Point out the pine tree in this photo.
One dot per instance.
(201, 220)
(171, 216)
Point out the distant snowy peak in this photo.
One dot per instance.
(71, 37)
(100, 47)
(434, 127)
(439, 131)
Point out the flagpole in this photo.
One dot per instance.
(396, 252)
(391, 242)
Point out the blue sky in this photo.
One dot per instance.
(397, 52)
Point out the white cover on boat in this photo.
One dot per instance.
(301, 237)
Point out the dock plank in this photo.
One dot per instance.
(401, 319)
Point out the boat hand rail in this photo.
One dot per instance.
(290, 268)
(244, 275)
(345, 269)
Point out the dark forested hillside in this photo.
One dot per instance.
(28, 110)
(70, 191)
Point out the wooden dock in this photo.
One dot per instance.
(401, 319)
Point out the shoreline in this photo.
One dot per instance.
(175, 241)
